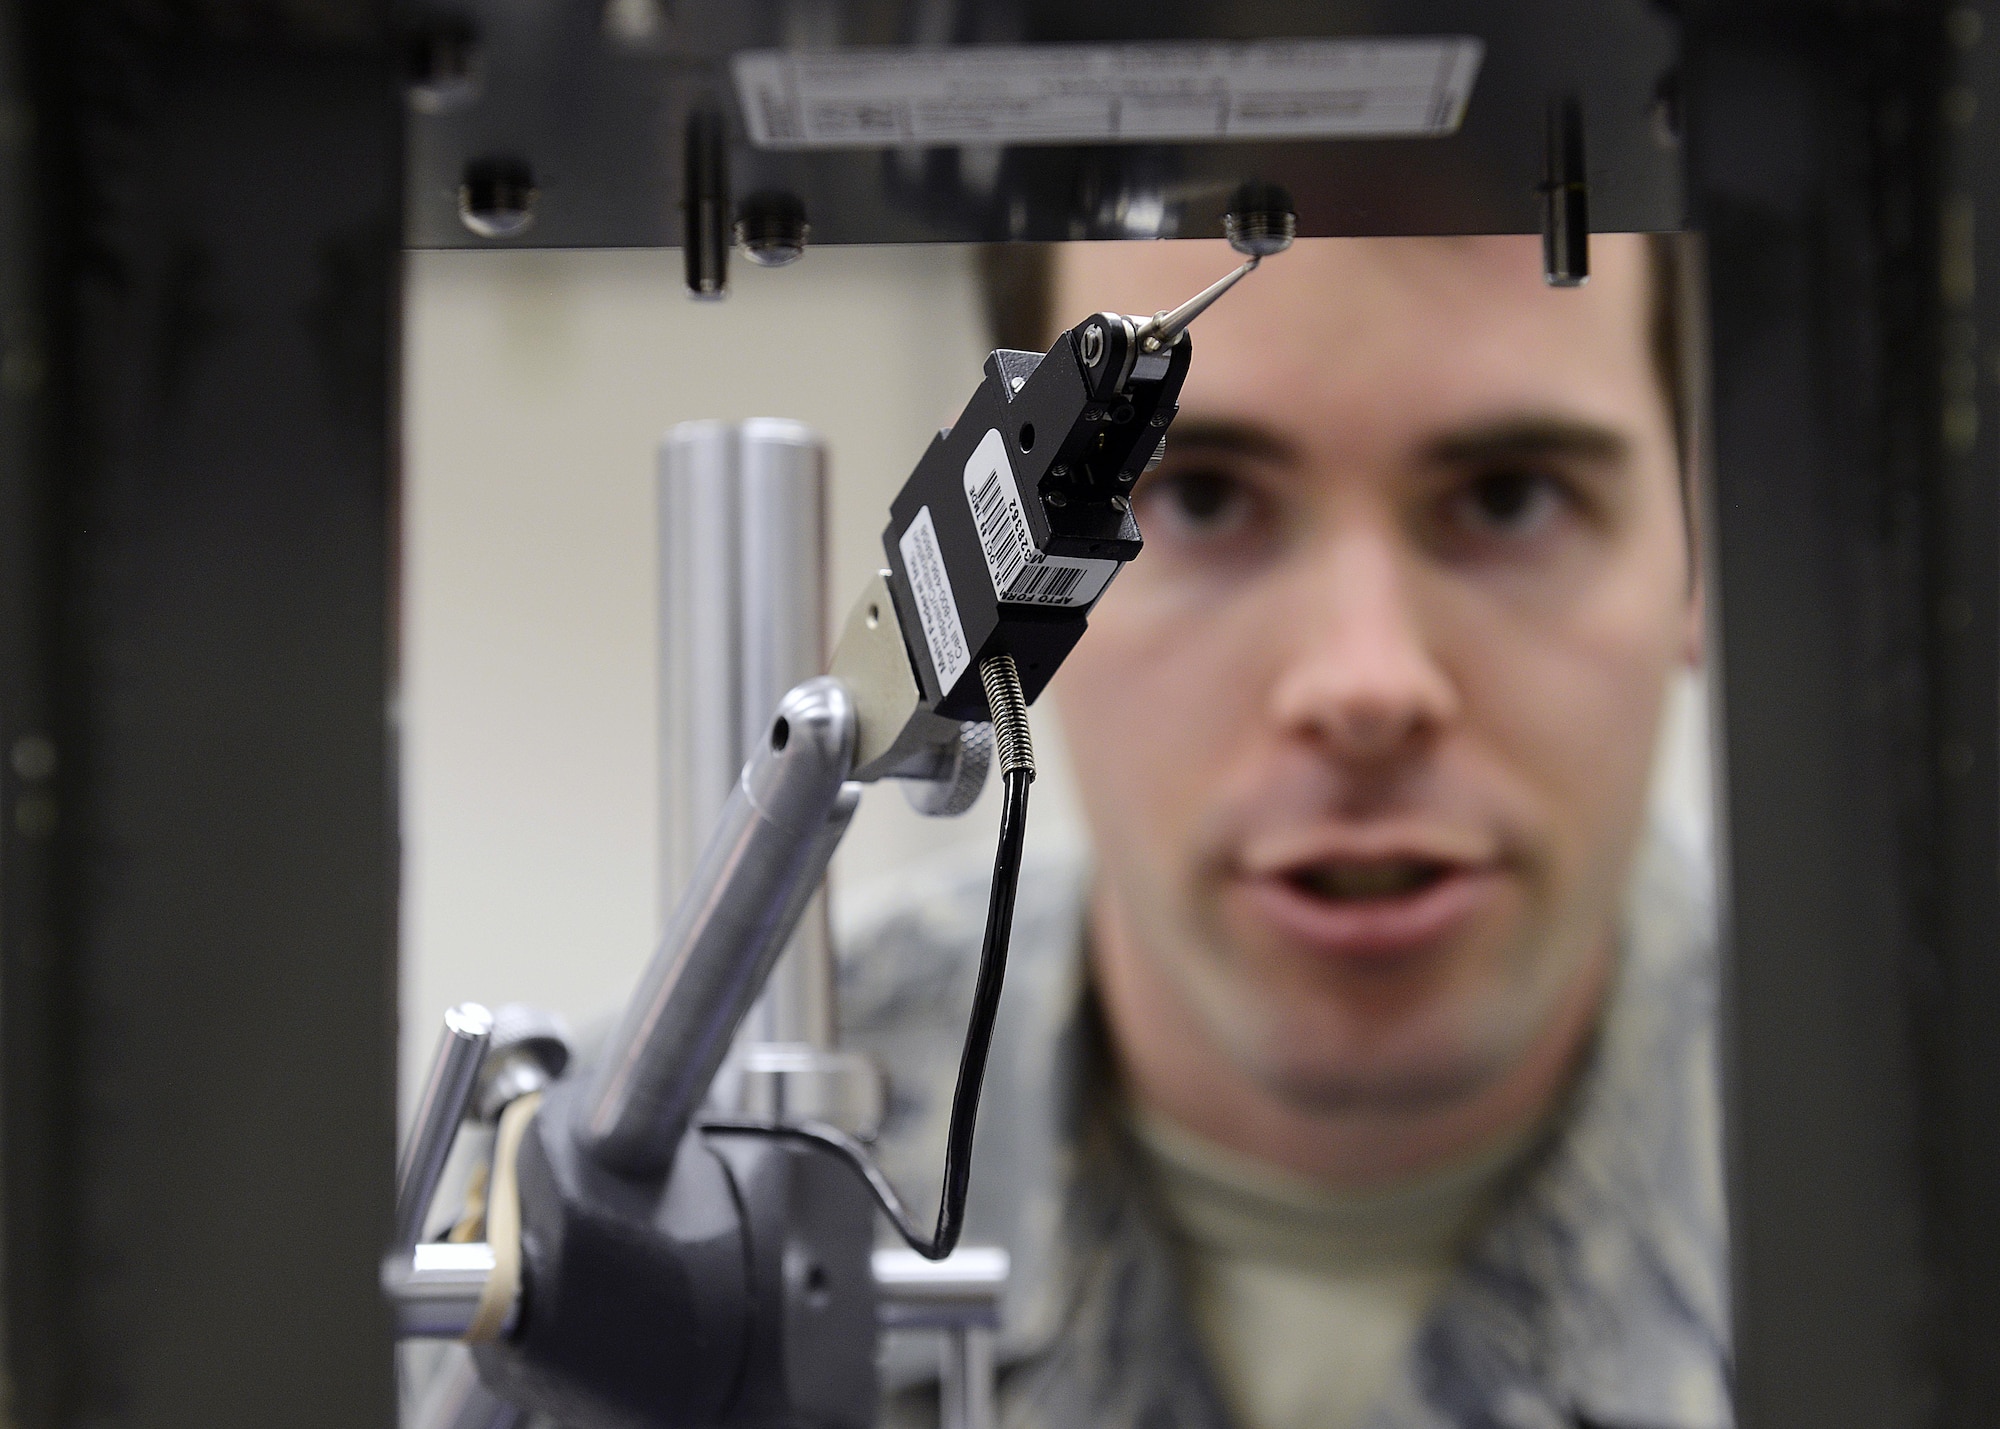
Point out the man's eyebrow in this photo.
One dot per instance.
(1229, 436)
(1515, 438)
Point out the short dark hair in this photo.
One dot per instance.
(1018, 283)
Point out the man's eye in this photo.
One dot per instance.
(1204, 502)
(1512, 501)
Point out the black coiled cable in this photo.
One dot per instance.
(1016, 756)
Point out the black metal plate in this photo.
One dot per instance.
(594, 103)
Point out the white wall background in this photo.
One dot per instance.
(536, 386)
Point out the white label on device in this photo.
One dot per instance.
(1021, 573)
(937, 611)
(1107, 94)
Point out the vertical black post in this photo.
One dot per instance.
(705, 203)
(1962, 986)
(198, 297)
(1565, 197)
(1833, 164)
(36, 1028)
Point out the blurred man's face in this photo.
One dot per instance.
(1364, 734)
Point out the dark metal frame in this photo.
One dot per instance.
(602, 125)
(197, 975)
(1855, 543)
(197, 354)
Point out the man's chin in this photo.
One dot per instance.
(1330, 1065)
(1422, 1085)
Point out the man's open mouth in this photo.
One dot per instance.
(1354, 882)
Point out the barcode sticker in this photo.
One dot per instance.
(1021, 574)
(937, 609)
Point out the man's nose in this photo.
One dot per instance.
(1362, 678)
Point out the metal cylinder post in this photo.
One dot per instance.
(782, 620)
(965, 1379)
(700, 721)
(742, 620)
(447, 1094)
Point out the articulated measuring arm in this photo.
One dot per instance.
(658, 1273)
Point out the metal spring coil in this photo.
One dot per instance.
(1008, 708)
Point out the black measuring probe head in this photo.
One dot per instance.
(1020, 513)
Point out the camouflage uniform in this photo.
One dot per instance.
(1595, 1296)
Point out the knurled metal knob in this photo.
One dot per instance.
(958, 790)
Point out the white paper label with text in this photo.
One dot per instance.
(1162, 92)
(937, 611)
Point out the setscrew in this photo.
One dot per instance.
(771, 229)
(496, 198)
(1261, 220)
